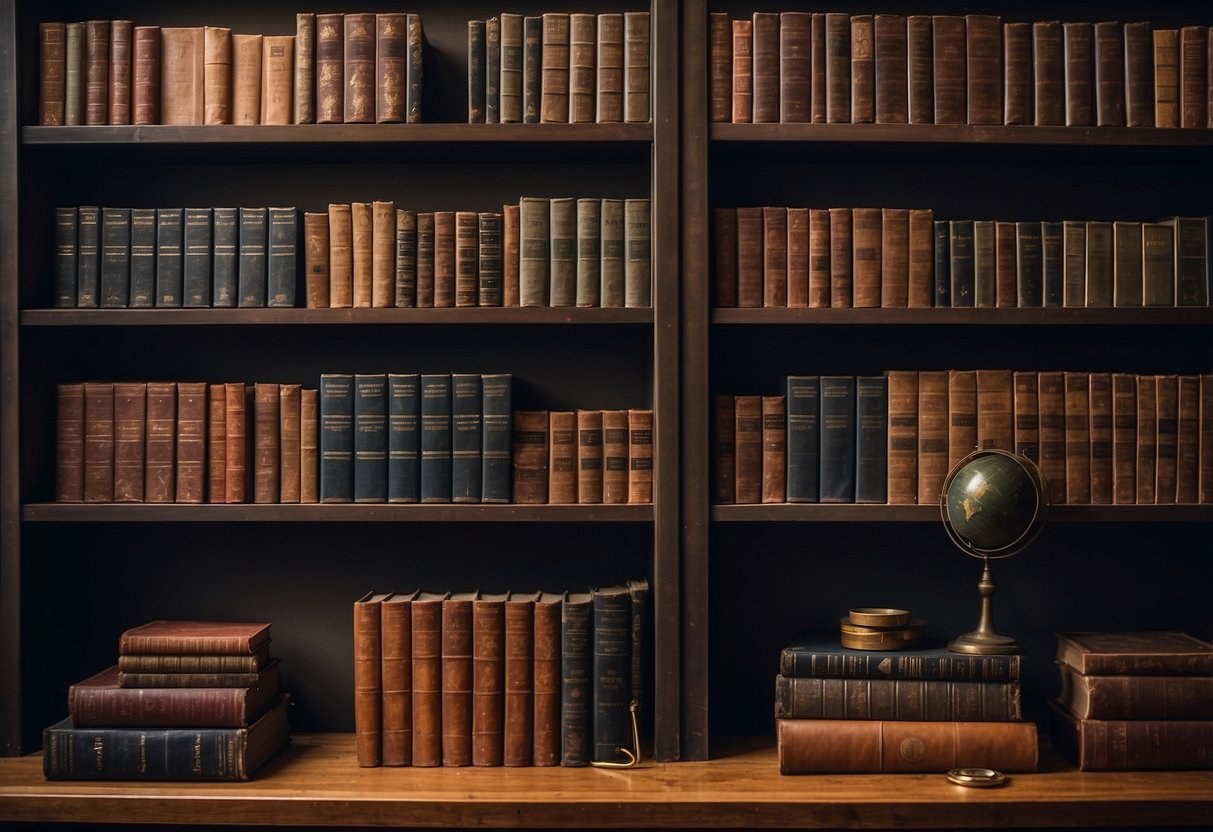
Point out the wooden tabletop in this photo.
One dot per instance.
(317, 782)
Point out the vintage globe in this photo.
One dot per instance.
(993, 503)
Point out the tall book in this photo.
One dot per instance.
(612, 673)
(69, 443)
(530, 441)
(488, 679)
(795, 67)
(396, 677)
(554, 102)
(949, 69)
(636, 61)
(724, 447)
(743, 72)
(640, 456)
(983, 68)
(589, 456)
(1048, 69)
(962, 415)
(336, 438)
(582, 42)
(436, 438)
(518, 717)
(368, 690)
(1139, 75)
(267, 451)
(775, 257)
(191, 442)
(370, 438)
(457, 678)
(359, 79)
(1050, 392)
(496, 432)
(304, 93)
(638, 273)
(1100, 404)
(1078, 438)
(277, 79)
(330, 69)
(290, 449)
(119, 103)
(863, 69)
(427, 678)
(510, 82)
(1111, 68)
(577, 684)
(892, 74)
(182, 72)
(1124, 439)
(467, 428)
(403, 438)
(547, 681)
(747, 432)
(803, 394)
(837, 457)
(160, 450)
(130, 423)
(933, 416)
(1078, 40)
(98, 477)
(1166, 410)
(902, 438)
(236, 440)
(871, 439)
(1166, 77)
(774, 449)
(720, 67)
(1027, 416)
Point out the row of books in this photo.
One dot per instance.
(1102, 438)
(559, 68)
(899, 257)
(336, 68)
(515, 679)
(144, 724)
(540, 252)
(950, 69)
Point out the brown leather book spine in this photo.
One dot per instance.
(277, 79)
(1166, 77)
(637, 39)
(562, 460)
(391, 70)
(236, 450)
(247, 64)
(994, 410)
(983, 66)
(330, 68)
(774, 449)
(903, 437)
(750, 257)
(531, 456)
(949, 69)
(427, 679)
(743, 71)
(467, 258)
(1098, 744)
(1187, 442)
(1124, 439)
(962, 415)
(554, 86)
(383, 254)
(119, 103)
(341, 255)
(359, 44)
(747, 432)
(921, 291)
(867, 256)
(1110, 70)
(1048, 70)
(1017, 73)
(316, 258)
(510, 263)
(191, 442)
(1079, 50)
(819, 258)
(161, 433)
(1051, 404)
(547, 681)
(795, 67)
(840, 258)
(817, 99)
(1099, 403)
(897, 699)
(583, 32)
(368, 691)
(309, 437)
(838, 68)
(217, 76)
(1126, 697)
(362, 248)
(863, 70)
(457, 680)
(266, 443)
(1147, 438)
(488, 680)
(69, 444)
(932, 435)
(640, 456)
(290, 399)
(920, 61)
(304, 94)
(396, 679)
(1193, 76)
(725, 447)
(1166, 424)
(766, 67)
(1139, 75)
(216, 442)
(798, 257)
(892, 73)
(615, 447)
(1027, 416)
(724, 228)
(96, 71)
(895, 257)
(589, 456)
(775, 257)
(1078, 438)
(130, 420)
(519, 714)
(444, 258)
(1205, 425)
(1006, 287)
(720, 68)
(52, 73)
(145, 76)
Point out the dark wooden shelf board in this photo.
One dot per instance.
(310, 317)
(316, 781)
(963, 134)
(329, 513)
(1152, 316)
(869, 513)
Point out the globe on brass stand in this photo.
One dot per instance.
(994, 504)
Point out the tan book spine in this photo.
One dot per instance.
(467, 258)
(97, 71)
(562, 459)
(554, 101)
(932, 435)
(316, 258)
(863, 69)
(290, 400)
(52, 73)
(396, 678)
(798, 257)
(609, 104)
(775, 257)
(266, 443)
(330, 68)
(98, 442)
(531, 456)
(236, 450)
(640, 456)
(488, 680)
(304, 94)
(747, 433)
(841, 274)
(867, 256)
(1124, 439)
(362, 249)
(444, 258)
(589, 456)
(191, 442)
(217, 76)
(1078, 438)
(309, 446)
(1166, 77)
(391, 67)
(1100, 408)
(743, 71)
(1051, 401)
(1147, 438)
(1205, 464)
(383, 254)
(69, 444)
(1166, 409)
(510, 255)
(1187, 442)
(182, 74)
(894, 257)
(130, 421)
(636, 99)
(278, 79)
(994, 410)
(246, 78)
(750, 257)
(921, 292)
(583, 30)
(962, 415)
(145, 76)
(903, 437)
(1027, 416)
(359, 41)
(427, 679)
(545, 675)
(341, 256)
(216, 440)
(774, 449)
(819, 258)
(368, 679)
(724, 438)
(159, 455)
(614, 456)
(119, 105)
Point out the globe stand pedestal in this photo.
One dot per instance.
(984, 641)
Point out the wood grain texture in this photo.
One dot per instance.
(882, 513)
(951, 134)
(1007, 316)
(337, 317)
(310, 513)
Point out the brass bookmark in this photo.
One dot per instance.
(633, 758)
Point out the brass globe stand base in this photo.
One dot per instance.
(984, 641)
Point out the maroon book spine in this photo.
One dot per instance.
(146, 75)
(798, 257)
(69, 444)
(766, 67)
(191, 442)
(120, 72)
(130, 421)
(817, 99)
(488, 680)
(840, 258)
(546, 675)
(983, 61)
(838, 68)
(795, 67)
(892, 75)
(161, 436)
(749, 257)
(950, 86)
(720, 67)
(724, 228)
(743, 71)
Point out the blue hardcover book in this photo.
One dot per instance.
(65, 257)
(466, 438)
(88, 266)
(197, 269)
(115, 257)
(436, 438)
(404, 438)
(804, 438)
(143, 258)
(871, 439)
(170, 248)
(612, 626)
(498, 439)
(226, 256)
(370, 438)
(336, 438)
(284, 240)
(253, 239)
(837, 439)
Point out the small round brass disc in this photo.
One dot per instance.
(977, 778)
(912, 630)
(877, 641)
(879, 617)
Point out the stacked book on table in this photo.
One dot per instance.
(925, 709)
(1140, 700)
(188, 700)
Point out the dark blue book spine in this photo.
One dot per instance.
(284, 244)
(336, 438)
(498, 438)
(71, 753)
(88, 267)
(115, 257)
(466, 438)
(804, 438)
(226, 256)
(575, 691)
(253, 238)
(612, 673)
(962, 266)
(1053, 263)
(66, 233)
(143, 258)
(170, 256)
(197, 272)
(404, 438)
(871, 439)
(837, 439)
(370, 439)
(943, 266)
(436, 438)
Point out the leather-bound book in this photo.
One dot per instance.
(903, 409)
(532, 68)
(798, 257)
(612, 617)
(488, 679)
(118, 108)
(225, 256)
(416, 50)
(1126, 264)
(370, 438)
(949, 69)
(304, 93)
(562, 248)
(336, 438)
(69, 443)
(547, 680)
(871, 439)
(819, 258)
(910, 700)
(750, 257)
(837, 439)
(217, 75)
(1078, 438)
(511, 69)
(942, 294)
(815, 656)
(803, 438)
(818, 96)
(838, 68)
(1005, 265)
(983, 55)
(194, 638)
(169, 263)
(984, 264)
(1102, 745)
(932, 434)
(743, 71)
(1158, 267)
(1048, 67)
(724, 447)
(396, 678)
(436, 438)
(612, 288)
(774, 449)
(535, 234)
(841, 270)
(391, 67)
(403, 438)
(640, 456)
(191, 442)
(962, 415)
(1052, 246)
(1147, 439)
(341, 255)
(247, 65)
(97, 71)
(995, 414)
(609, 97)
(1050, 392)
(100, 702)
(362, 247)
(115, 257)
(330, 68)
(236, 442)
(489, 254)
(518, 720)
(425, 259)
(583, 31)
(1080, 70)
(368, 679)
(52, 72)
(73, 99)
(216, 444)
(554, 88)
(309, 446)
(457, 678)
(406, 259)
(198, 265)
(1193, 76)
(467, 258)
(921, 274)
(359, 46)
(1100, 409)
(1074, 244)
(1191, 260)
(589, 252)
(1166, 77)
(427, 678)
(775, 257)
(1027, 415)
(1110, 69)
(1139, 75)
(1017, 73)
(795, 67)
(615, 451)
(289, 416)
(720, 67)
(159, 456)
(641, 653)
(267, 451)
(638, 264)
(962, 262)
(1099, 264)
(497, 419)
(467, 426)
(531, 456)
(254, 233)
(747, 433)
(863, 70)
(98, 442)
(892, 74)
(867, 258)
(589, 456)
(476, 82)
(1029, 276)
(576, 685)
(636, 47)
(1136, 697)
(277, 79)
(141, 291)
(130, 420)
(920, 49)
(1205, 426)
(316, 259)
(1124, 439)
(1187, 441)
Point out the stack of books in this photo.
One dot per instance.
(188, 700)
(927, 709)
(1141, 700)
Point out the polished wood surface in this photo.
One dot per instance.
(329, 512)
(530, 315)
(1144, 316)
(963, 134)
(316, 781)
(881, 513)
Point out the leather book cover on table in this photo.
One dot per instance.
(813, 655)
(1160, 653)
(1105, 745)
(194, 638)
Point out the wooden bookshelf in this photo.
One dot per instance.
(987, 316)
(327, 512)
(965, 134)
(495, 315)
(868, 513)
